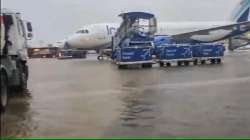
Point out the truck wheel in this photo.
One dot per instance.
(26, 70)
(24, 83)
(23, 78)
(4, 92)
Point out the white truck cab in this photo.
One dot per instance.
(15, 33)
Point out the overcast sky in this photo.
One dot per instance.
(54, 20)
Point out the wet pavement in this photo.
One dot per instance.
(87, 98)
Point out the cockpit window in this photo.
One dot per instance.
(83, 31)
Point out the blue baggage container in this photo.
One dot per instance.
(162, 39)
(208, 51)
(174, 52)
(133, 55)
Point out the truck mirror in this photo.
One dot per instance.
(29, 34)
(29, 27)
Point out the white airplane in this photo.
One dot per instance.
(99, 36)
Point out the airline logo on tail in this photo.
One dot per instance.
(242, 13)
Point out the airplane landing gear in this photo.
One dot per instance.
(100, 57)
(104, 54)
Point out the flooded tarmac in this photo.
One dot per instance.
(87, 98)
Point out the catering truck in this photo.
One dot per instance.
(15, 33)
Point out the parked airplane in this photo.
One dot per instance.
(99, 36)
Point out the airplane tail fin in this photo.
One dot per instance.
(242, 12)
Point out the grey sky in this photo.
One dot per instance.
(54, 20)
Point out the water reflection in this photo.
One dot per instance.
(17, 121)
(138, 110)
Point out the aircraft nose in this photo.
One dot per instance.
(74, 41)
(81, 41)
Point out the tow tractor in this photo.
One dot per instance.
(133, 41)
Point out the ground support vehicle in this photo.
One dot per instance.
(14, 68)
(133, 41)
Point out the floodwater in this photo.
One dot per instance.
(87, 98)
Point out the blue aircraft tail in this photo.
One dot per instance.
(242, 12)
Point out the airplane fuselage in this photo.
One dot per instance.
(100, 35)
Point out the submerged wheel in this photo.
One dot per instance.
(195, 62)
(122, 66)
(179, 63)
(24, 73)
(4, 92)
(24, 82)
(212, 61)
(186, 63)
(161, 64)
(203, 62)
(147, 65)
(218, 61)
(168, 64)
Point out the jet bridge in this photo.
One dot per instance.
(132, 43)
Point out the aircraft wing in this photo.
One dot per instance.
(213, 34)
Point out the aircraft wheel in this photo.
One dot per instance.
(100, 57)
